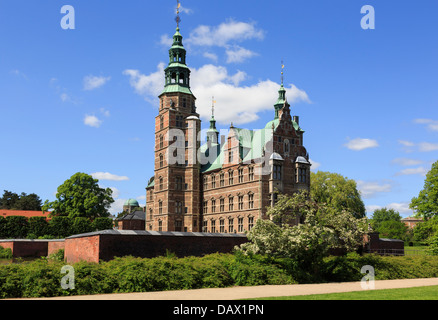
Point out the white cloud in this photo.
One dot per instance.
(211, 56)
(116, 192)
(108, 176)
(94, 82)
(369, 189)
(117, 206)
(92, 121)
(222, 35)
(105, 112)
(315, 165)
(411, 171)
(235, 103)
(359, 144)
(238, 54)
(185, 10)
(165, 40)
(431, 124)
(406, 162)
(421, 146)
(401, 207)
(427, 146)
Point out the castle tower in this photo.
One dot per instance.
(176, 194)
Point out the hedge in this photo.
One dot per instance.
(41, 278)
(19, 227)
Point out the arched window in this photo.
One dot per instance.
(161, 122)
(161, 161)
(160, 183)
(161, 141)
(286, 146)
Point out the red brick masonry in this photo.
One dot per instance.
(32, 248)
(107, 244)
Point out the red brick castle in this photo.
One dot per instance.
(226, 184)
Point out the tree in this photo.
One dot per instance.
(81, 196)
(384, 214)
(13, 201)
(337, 192)
(308, 242)
(393, 229)
(426, 204)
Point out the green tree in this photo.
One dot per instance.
(393, 229)
(102, 223)
(81, 225)
(337, 192)
(61, 226)
(17, 227)
(81, 196)
(8, 200)
(426, 204)
(384, 214)
(28, 202)
(38, 227)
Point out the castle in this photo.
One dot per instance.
(227, 183)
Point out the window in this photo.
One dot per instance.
(161, 141)
(178, 183)
(204, 226)
(251, 200)
(302, 173)
(160, 207)
(251, 173)
(179, 206)
(184, 102)
(178, 225)
(240, 202)
(230, 156)
(150, 214)
(151, 195)
(213, 206)
(160, 225)
(286, 146)
(222, 205)
(230, 177)
(222, 226)
(274, 198)
(160, 183)
(213, 226)
(230, 225)
(161, 122)
(250, 223)
(240, 172)
(239, 224)
(179, 121)
(230, 203)
(277, 172)
(205, 207)
(161, 161)
(222, 179)
(205, 183)
(213, 181)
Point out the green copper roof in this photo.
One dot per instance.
(176, 88)
(131, 202)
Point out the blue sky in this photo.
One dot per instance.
(84, 100)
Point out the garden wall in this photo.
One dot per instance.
(32, 248)
(107, 244)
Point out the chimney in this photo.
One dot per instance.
(297, 119)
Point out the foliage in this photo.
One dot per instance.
(393, 230)
(16, 227)
(381, 215)
(426, 204)
(424, 231)
(81, 196)
(13, 201)
(102, 223)
(5, 253)
(38, 227)
(41, 278)
(337, 192)
(310, 241)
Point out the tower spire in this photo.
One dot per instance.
(282, 67)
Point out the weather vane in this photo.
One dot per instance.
(177, 19)
(282, 68)
(212, 106)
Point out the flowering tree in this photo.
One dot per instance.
(308, 242)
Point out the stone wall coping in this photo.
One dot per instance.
(157, 233)
(32, 240)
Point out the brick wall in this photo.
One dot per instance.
(107, 244)
(32, 248)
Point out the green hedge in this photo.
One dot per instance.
(41, 278)
(19, 227)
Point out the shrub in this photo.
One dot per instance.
(5, 253)
(102, 223)
(38, 227)
(17, 227)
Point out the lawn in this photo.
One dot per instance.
(416, 293)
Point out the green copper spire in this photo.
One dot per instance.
(281, 95)
(177, 74)
(212, 133)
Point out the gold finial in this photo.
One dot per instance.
(282, 68)
(212, 106)
(177, 19)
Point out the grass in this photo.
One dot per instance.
(416, 293)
